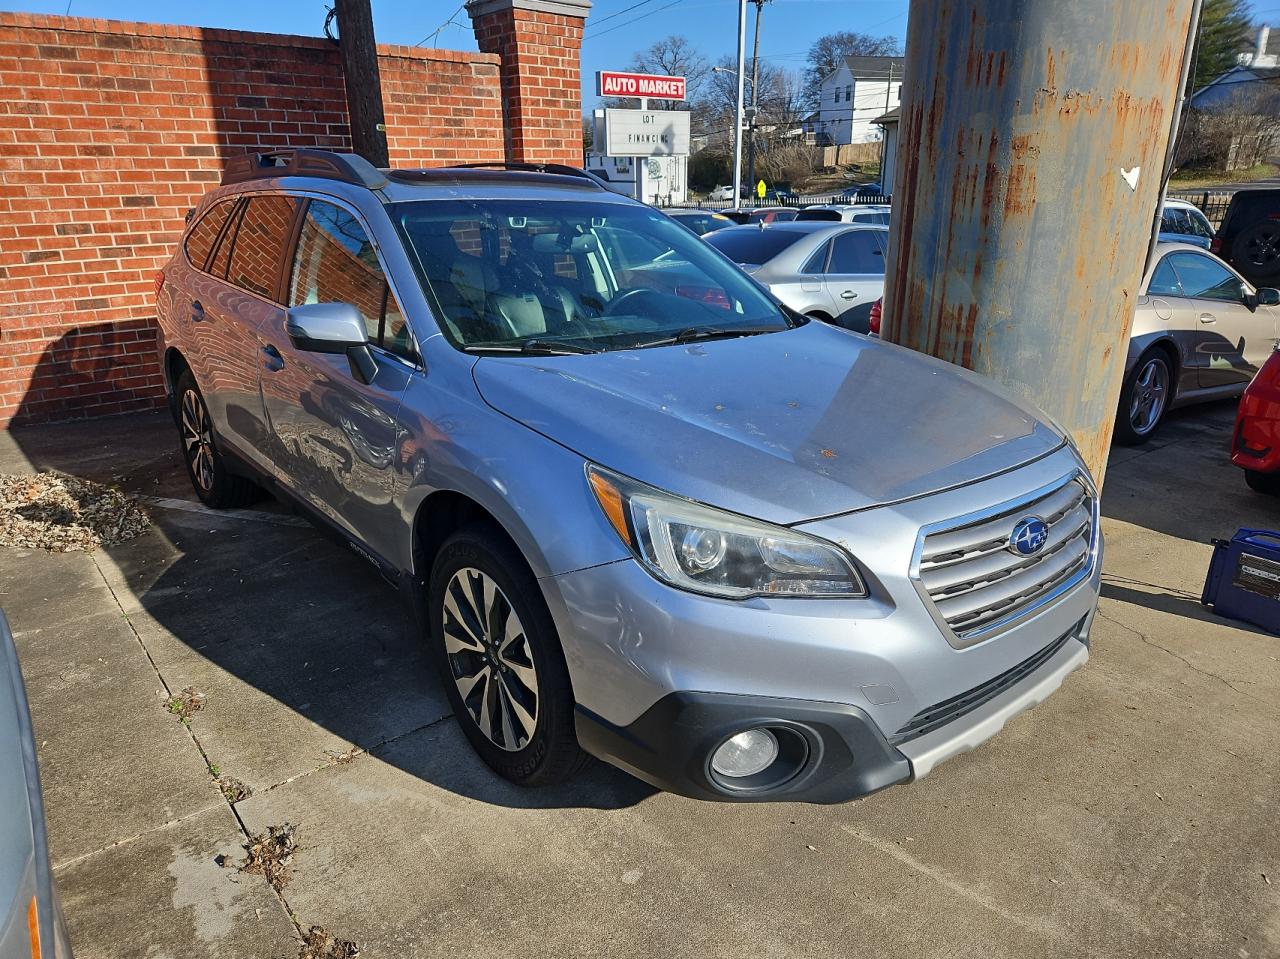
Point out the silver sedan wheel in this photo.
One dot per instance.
(490, 659)
(197, 439)
(1150, 396)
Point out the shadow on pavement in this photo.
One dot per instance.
(302, 649)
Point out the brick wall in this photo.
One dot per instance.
(541, 75)
(110, 132)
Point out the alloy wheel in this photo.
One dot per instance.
(1263, 248)
(197, 439)
(490, 659)
(1150, 395)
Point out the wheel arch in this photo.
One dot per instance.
(175, 364)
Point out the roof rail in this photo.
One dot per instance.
(347, 167)
(561, 169)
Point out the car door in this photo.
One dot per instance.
(229, 308)
(337, 438)
(854, 276)
(1234, 336)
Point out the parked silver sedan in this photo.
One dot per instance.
(30, 917)
(1200, 332)
(829, 271)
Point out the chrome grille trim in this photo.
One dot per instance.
(976, 586)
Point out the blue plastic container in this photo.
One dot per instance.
(1244, 578)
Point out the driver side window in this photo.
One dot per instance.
(1164, 281)
(336, 263)
(1202, 277)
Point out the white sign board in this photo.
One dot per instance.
(646, 133)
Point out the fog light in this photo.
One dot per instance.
(745, 754)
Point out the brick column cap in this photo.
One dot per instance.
(563, 8)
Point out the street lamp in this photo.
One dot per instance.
(737, 140)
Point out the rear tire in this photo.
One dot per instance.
(217, 486)
(1256, 253)
(500, 659)
(1144, 398)
(1268, 483)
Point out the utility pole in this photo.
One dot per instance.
(1033, 139)
(755, 99)
(737, 113)
(364, 85)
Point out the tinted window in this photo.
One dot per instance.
(218, 267)
(336, 263)
(205, 233)
(1204, 278)
(817, 263)
(857, 252)
(878, 217)
(755, 246)
(1164, 282)
(818, 215)
(260, 243)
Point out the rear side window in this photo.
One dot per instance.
(260, 242)
(858, 251)
(336, 263)
(1164, 282)
(204, 234)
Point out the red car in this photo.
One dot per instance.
(874, 317)
(1256, 446)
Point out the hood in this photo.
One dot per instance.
(785, 427)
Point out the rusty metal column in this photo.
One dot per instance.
(1032, 142)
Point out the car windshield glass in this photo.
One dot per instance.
(550, 275)
(753, 246)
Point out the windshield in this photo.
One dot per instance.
(753, 246)
(564, 276)
(818, 214)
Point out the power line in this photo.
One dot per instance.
(622, 11)
(436, 32)
(627, 23)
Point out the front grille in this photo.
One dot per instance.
(944, 712)
(976, 582)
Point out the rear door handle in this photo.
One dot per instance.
(848, 295)
(272, 359)
(197, 311)
(1207, 318)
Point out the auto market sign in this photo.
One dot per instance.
(646, 133)
(644, 85)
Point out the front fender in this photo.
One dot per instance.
(535, 488)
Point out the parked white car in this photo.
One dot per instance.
(870, 213)
(722, 193)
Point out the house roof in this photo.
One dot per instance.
(875, 68)
(891, 117)
(1239, 74)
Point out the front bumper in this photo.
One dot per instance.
(661, 676)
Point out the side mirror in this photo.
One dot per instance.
(336, 329)
(1268, 296)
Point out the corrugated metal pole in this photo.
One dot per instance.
(1033, 138)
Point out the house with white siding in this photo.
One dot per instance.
(853, 96)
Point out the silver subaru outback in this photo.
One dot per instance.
(640, 509)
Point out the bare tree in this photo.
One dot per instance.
(829, 51)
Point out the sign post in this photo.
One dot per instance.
(643, 133)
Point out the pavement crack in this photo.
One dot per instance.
(167, 824)
(1179, 657)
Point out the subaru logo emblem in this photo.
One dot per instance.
(1028, 536)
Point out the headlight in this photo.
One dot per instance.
(707, 550)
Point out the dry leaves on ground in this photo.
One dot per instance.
(62, 513)
(270, 853)
(320, 945)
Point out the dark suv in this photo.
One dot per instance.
(1249, 237)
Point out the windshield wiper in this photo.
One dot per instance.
(532, 347)
(708, 333)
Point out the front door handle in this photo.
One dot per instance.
(848, 295)
(1207, 318)
(197, 311)
(272, 359)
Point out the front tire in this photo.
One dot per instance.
(500, 659)
(216, 485)
(1144, 398)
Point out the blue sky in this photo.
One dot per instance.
(789, 26)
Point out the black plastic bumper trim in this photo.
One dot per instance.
(669, 746)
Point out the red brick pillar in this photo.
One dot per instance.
(540, 42)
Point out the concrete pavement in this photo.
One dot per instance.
(1132, 814)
